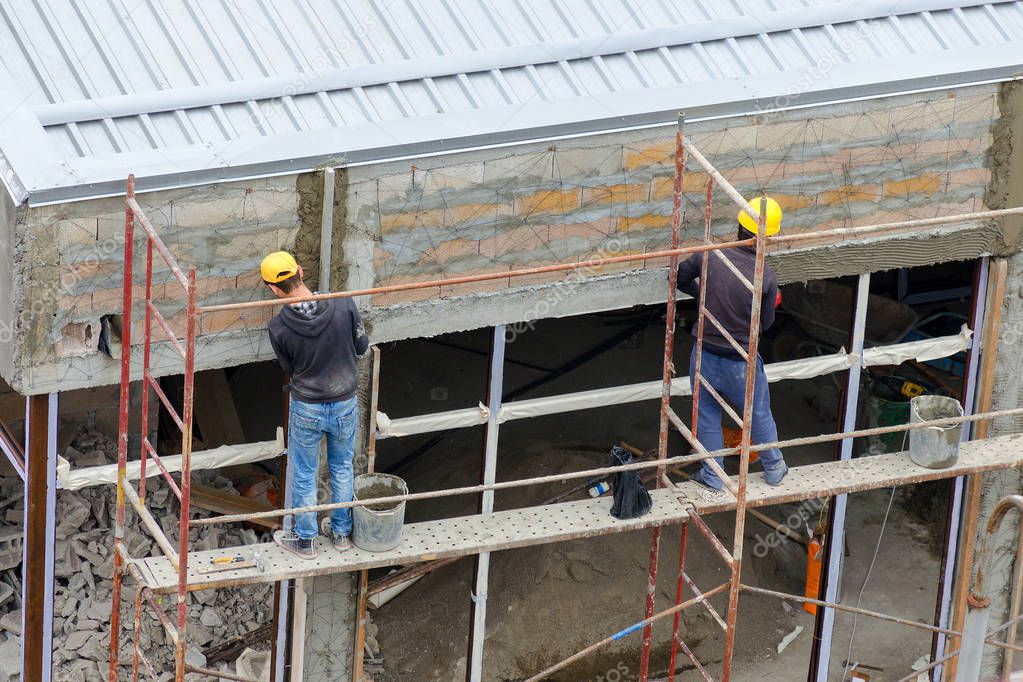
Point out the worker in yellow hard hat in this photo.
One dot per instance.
(316, 343)
(730, 302)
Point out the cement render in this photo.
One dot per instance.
(1007, 394)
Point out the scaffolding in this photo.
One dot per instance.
(174, 571)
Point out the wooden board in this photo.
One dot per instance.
(468, 535)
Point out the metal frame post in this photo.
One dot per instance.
(478, 608)
(667, 374)
(752, 360)
(122, 425)
(943, 605)
(835, 545)
(38, 547)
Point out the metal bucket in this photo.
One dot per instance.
(935, 447)
(374, 529)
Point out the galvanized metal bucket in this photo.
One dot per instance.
(377, 529)
(934, 447)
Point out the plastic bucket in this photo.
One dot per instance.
(886, 408)
(377, 528)
(936, 447)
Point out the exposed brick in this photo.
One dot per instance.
(450, 250)
(928, 183)
(977, 177)
(466, 214)
(791, 202)
(107, 301)
(592, 231)
(622, 193)
(526, 238)
(850, 193)
(662, 188)
(644, 222)
(407, 220)
(406, 296)
(476, 287)
(230, 320)
(547, 201)
(654, 154)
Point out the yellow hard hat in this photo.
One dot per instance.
(752, 223)
(278, 266)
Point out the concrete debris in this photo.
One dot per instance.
(10, 658)
(11, 622)
(789, 638)
(253, 664)
(83, 570)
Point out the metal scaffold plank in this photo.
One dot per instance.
(528, 526)
(461, 536)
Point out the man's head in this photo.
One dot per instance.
(749, 225)
(281, 273)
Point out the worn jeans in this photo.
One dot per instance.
(728, 377)
(307, 424)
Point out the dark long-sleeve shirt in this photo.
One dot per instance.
(728, 299)
(317, 349)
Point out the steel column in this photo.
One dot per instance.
(38, 548)
(326, 229)
(478, 610)
(943, 607)
(832, 578)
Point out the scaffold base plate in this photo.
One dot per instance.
(468, 535)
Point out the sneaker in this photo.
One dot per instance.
(294, 544)
(698, 477)
(341, 542)
(775, 475)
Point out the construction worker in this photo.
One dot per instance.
(316, 343)
(731, 302)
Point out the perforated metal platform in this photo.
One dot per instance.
(572, 520)
(422, 542)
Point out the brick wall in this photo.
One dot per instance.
(71, 265)
(482, 211)
(850, 165)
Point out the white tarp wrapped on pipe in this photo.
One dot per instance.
(225, 455)
(807, 368)
(921, 351)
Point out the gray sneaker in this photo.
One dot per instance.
(341, 543)
(294, 544)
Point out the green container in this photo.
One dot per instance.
(885, 407)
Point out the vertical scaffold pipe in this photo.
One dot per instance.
(122, 427)
(186, 475)
(667, 374)
(747, 423)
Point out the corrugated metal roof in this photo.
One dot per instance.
(185, 92)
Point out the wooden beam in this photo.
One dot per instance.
(214, 500)
(37, 570)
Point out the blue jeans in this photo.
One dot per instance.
(307, 424)
(728, 377)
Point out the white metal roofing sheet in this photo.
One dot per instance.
(185, 92)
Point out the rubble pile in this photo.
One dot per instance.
(83, 572)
